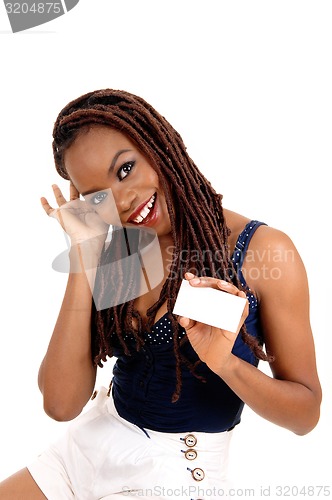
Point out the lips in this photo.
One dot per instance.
(143, 211)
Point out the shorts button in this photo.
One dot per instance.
(190, 454)
(198, 474)
(190, 440)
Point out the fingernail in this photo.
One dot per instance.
(190, 275)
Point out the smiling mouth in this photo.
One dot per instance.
(145, 211)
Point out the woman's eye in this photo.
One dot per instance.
(98, 198)
(125, 169)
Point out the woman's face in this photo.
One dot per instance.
(117, 180)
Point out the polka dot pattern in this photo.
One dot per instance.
(162, 333)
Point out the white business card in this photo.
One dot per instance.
(210, 306)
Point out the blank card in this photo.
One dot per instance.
(210, 306)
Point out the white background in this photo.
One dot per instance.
(248, 86)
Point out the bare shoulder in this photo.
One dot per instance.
(271, 261)
(273, 265)
(265, 237)
(269, 244)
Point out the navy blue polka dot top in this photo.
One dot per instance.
(143, 383)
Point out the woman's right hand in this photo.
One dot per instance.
(77, 218)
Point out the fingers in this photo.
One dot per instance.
(74, 194)
(60, 199)
(46, 206)
(206, 281)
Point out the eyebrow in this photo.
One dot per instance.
(110, 170)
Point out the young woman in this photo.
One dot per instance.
(179, 386)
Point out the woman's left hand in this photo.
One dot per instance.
(212, 345)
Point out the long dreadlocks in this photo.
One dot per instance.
(197, 222)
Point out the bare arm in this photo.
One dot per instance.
(291, 398)
(67, 374)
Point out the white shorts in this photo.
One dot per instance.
(102, 456)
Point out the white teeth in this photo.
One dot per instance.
(145, 210)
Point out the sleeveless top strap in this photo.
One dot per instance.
(242, 244)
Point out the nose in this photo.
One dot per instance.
(125, 200)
